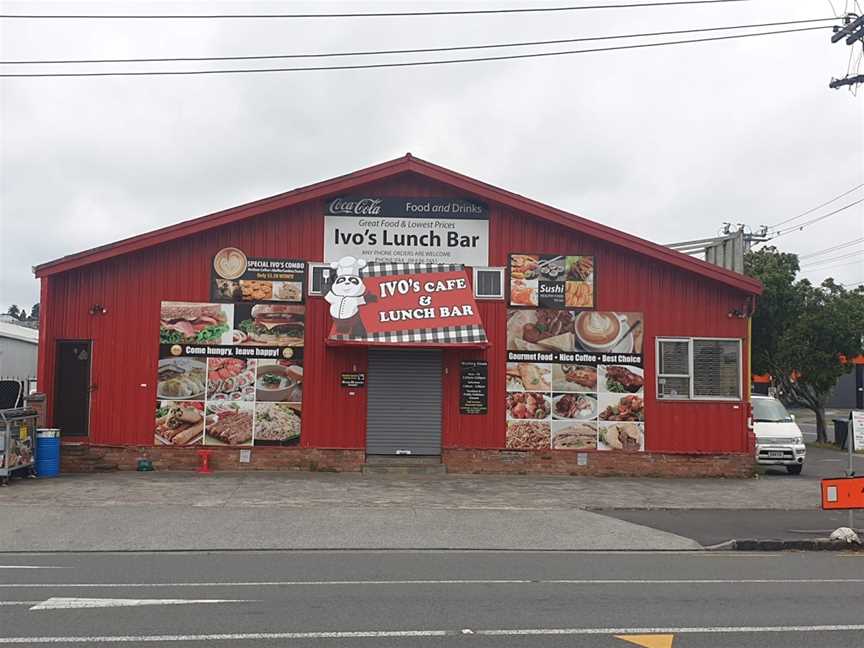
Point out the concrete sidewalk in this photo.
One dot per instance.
(180, 511)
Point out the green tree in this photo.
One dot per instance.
(16, 312)
(802, 333)
(34, 312)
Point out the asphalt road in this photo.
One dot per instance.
(820, 462)
(711, 527)
(454, 599)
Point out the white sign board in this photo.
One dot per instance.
(857, 430)
(407, 230)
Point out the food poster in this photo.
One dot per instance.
(575, 380)
(229, 374)
(236, 277)
(552, 281)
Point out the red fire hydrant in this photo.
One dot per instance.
(204, 466)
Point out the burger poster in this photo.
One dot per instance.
(229, 374)
(575, 380)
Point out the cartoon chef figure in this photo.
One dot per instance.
(346, 295)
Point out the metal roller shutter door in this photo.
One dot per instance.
(404, 402)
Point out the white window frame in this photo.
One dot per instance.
(502, 272)
(309, 269)
(691, 396)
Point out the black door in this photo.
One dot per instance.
(403, 411)
(72, 387)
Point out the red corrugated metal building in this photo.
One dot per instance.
(102, 306)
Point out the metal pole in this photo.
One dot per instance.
(850, 442)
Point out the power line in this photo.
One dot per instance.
(810, 211)
(856, 253)
(377, 14)
(801, 226)
(414, 51)
(831, 249)
(409, 63)
(838, 265)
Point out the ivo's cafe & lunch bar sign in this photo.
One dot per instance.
(407, 230)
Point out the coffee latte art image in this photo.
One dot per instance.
(230, 263)
(598, 329)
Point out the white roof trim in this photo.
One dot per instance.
(22, 333)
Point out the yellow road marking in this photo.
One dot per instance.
(649, 640)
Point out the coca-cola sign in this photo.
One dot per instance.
(461, 208)
(356, 207)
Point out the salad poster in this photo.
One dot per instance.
(229, 374)
(575, 380)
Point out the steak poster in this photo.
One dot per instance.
(575, 380)
(401, 303)
(229, 374)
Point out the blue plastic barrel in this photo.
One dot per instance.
(47, 453)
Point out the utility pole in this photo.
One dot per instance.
(728, 248)
(853, 31)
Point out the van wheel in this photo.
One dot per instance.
(796, 469)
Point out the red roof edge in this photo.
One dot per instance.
(384, 170)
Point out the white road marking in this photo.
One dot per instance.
(2, 603)
(478, 581)
(31, 567)
(383, 634)
(60, 603)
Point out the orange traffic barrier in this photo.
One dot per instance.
(843, 493)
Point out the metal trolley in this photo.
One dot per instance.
(17, 443)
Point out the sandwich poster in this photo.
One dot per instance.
(552, 281)
(575, 380)
(236, 277)
(229, 374)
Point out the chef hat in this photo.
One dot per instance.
(348, 266)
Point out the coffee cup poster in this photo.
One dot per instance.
(231, 374)
(552, 281)
(575, 380)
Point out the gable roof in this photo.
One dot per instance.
(407, 163)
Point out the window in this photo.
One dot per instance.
(489, 283)
(319, 273)
(698, 368)
(673, 373)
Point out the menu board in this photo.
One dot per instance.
(353, 379)
(473, 387)
(236, 277)
(857, 431)
(229, 374)
(575, 380)
(552, 281)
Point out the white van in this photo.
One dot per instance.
(779, 441)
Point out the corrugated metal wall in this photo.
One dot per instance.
(130, 287)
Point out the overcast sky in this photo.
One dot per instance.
(666, 143)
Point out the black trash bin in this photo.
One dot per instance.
(841, 432)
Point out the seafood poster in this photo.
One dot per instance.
(575, 380)
(229, 374)
(236, 277)
(552, 281)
